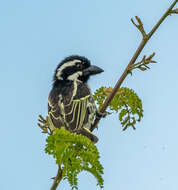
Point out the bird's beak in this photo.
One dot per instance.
(92, 70)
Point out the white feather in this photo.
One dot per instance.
(74, 76)
(67, 64)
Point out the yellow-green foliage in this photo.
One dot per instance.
(125, 101)
(74, 153)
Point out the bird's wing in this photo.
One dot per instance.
(54, 110)
(80, 110)
(74, 110)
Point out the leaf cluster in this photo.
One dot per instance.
(74, 153)
(143, 64)
(125, 101)
(45, 124)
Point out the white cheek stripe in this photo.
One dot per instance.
(68, 64)
(74, 76)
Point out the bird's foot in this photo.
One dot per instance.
(86, 132)
(101, 114)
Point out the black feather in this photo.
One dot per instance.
(70, 102)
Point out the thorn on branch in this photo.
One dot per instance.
(57, 179)
(139, 26)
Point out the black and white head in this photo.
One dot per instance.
(75, 68)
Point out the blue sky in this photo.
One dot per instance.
(35, 36)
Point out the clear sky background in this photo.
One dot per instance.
(35, 36)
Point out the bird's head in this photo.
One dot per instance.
(75, 68)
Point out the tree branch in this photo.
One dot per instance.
(139, 26)
(175, 11)
(145, 39)
(143, 64)
(57, 179)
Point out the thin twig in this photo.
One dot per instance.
(167, 13)
(139, 26)
(132, 61)
(57, 179)
(143, 64)
(174, 11)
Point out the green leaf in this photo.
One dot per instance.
(142, 68)
(74, 153)
(125, 101)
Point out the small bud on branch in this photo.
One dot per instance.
(143, 64)
(139, 26)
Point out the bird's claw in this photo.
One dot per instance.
(86, 132)
(101, 114)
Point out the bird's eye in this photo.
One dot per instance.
(79, 65)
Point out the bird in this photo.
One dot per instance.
(70, 102)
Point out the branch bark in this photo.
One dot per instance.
(57, 179)
(145, 39)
